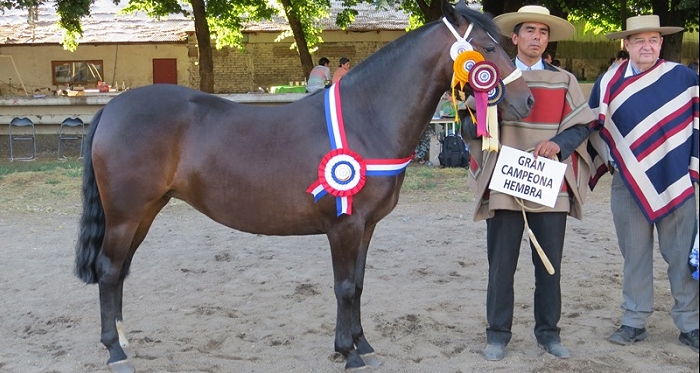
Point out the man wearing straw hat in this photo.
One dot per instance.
(646, 135)
(557, 128)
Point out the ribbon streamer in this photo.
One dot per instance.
(490, 143)
(481, 101)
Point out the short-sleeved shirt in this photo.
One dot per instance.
(317, 78)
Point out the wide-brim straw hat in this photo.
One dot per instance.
(639, 24)
(559, 28)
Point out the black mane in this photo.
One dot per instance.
(481, 20)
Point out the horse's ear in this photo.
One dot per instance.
(449, 12)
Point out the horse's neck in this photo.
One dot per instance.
(397, 97)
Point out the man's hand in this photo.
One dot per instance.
(547, 149)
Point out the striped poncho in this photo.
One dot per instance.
(559, 105)
(648, 126)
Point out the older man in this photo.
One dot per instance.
(648, 118)
(556, 128)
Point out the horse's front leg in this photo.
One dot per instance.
(358, 335)
(345, 241)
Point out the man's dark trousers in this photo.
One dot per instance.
(504, 236)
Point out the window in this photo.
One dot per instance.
(85, 73)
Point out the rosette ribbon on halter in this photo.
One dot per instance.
(484, 78)
(342, 172)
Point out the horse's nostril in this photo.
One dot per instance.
(530, 102)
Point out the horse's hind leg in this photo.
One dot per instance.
(112, 267)
(120, 244)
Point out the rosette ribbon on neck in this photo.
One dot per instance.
(342, 172)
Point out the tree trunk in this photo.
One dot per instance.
(494, 7)
(206, 61)
(669, 15)
(307, 63)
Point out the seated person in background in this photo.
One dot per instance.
(547, 57)
(343, 68)
(620, 57)
(319, 76)
(695, 66)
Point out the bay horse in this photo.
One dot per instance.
(257, 169)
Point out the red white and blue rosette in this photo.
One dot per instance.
(342, 172)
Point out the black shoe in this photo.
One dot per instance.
(690, 339)
(627, 335)
(495, 351)
(556, 349)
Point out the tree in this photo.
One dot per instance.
(302, 16)
(419, 12)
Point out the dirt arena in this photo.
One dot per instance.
(204, 298)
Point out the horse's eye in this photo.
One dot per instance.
(490, 48)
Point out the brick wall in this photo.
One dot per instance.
(271, 64)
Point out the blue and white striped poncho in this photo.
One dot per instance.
(649, 123)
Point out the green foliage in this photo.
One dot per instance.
(308, 12)
(19, 4)
(70, 12)
(154, 9)
(691, 8)
(603, 16)
(226, 19)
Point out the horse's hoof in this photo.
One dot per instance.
(371, 359)
(364, 369)
(130, 354)
(123, 366)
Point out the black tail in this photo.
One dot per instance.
(92, 222)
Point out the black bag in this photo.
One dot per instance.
(453, 153)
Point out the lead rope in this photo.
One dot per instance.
(533, 239)
(531, 234)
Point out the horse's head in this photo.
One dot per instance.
(476, 30)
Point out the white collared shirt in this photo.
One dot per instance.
(539, 65)
(631, 70)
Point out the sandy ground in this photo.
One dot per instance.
(204, 298)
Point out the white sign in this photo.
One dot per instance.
(519, 174)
